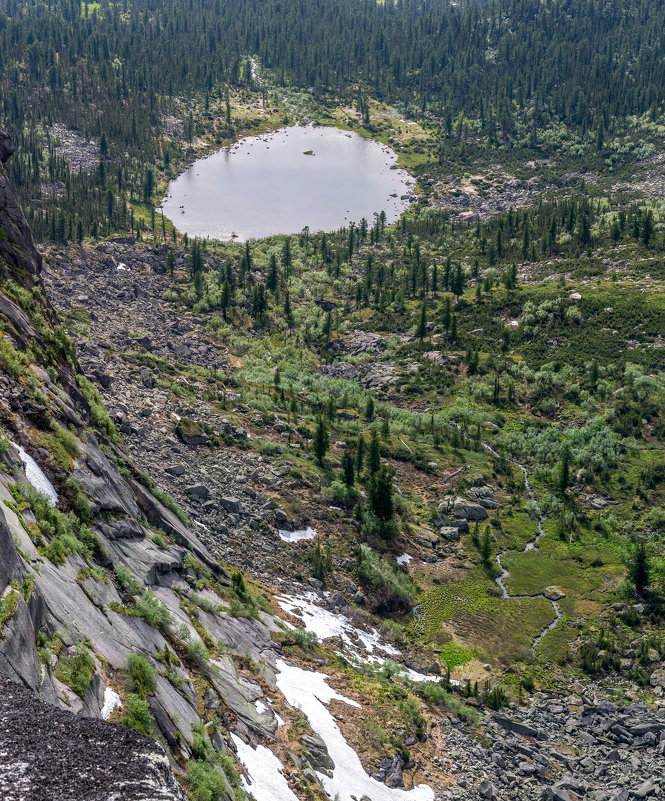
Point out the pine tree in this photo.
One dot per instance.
(486, 548)
(380, 498)
(148, 184)
(453, 328)
(272, 279)
(348, 468)
(639, 569)
(447, 312)
(458, 282)
(421, 328)
(564, 471)
(288, 314)
(360, 454)
(287, 259)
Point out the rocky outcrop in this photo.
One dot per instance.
(49, 753)
(563, 749)
(17, 248)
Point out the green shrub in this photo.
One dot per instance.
(8, 605)
(198, 653)
(67, 534)
(239, 609)
(414, 718)
(394, 588)
(342, 495)
(61, 547)
(170, 503)
(307, 640)
(129, 583)
(435, 693)
(61, 444)
(76, 671)
(12, 361)
(205, 782)
(153, 611)
(142, 675)
(98, 414)
(137, 714)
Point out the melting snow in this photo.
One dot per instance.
(404, 559)
(295, 536)
(413, 675)
(111, 702)
(36, 477)
(326, 624)
(309, 692)
(262, 707)
(266, 780)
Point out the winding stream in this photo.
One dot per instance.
(532, 545)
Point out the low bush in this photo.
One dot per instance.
(137, 714)
(153, 611)
(76, 671)
(142, 675)
(394, 589)
(129, 583)
(307, 640)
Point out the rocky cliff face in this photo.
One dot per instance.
(110, 607)
(16, 246)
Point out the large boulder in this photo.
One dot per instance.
(469, 510)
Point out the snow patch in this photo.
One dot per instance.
(296, 536)
(111, 701)
(266, 781)
(404, 559)
(413, 675)
(309, 692)
(36, 477)
(122, 266)
(326, 624)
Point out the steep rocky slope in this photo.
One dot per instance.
(117, 605)
(97, 570)
(112, 608)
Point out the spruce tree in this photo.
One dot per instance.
(321, 441)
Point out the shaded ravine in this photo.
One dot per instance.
(532, 545)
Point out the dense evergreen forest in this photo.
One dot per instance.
(108, 70)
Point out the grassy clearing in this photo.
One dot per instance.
(500, 628)
(532, 571)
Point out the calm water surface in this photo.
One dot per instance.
(265, 185)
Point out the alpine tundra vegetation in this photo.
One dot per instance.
(374, 513)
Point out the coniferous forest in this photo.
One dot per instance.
(501, 71)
